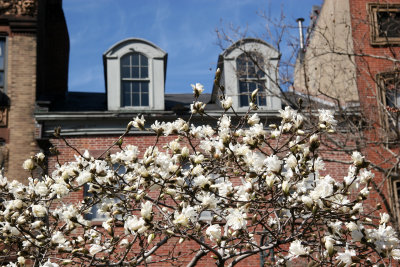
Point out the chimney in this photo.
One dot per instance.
(300, 22)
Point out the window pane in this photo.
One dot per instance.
(144, 72)
(252, 87)
(145, 87)
(125, 61)
(135, 72)
(135, 59)
(262, 101)
(125, 72)
(135, 99)
(136, 87)
(126, 94)
(243, 87)
(145, 99)
(244, 100)
(1, 78)
(2, 53)
(143, 60)
(389, 24)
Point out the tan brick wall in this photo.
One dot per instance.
(21, 84)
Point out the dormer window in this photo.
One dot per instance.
(251, 77)
(245, 66)
(135, 80)
(135, 72)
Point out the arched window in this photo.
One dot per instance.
(250, 78)
(135, 80)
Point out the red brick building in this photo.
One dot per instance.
(34, 49)
(351, 62)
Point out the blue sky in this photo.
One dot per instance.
(185, 29)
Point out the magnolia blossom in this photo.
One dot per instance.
(58, 238)
(197, 89)
(345, 257)
(95, 248)
(188, 214)
(214, 232)
(357, 158)
(227, 103)
(254, 119)
(326, 118)
(384, 218)
(329, 243)
(139, 122)
(28, 164)
(273, 163)
(297, 249)
(250, 185)
(146, 210)
(48, 263)
(236, 219)
(133, 224)
(39, 211)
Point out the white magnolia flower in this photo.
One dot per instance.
(201, 180)
(41, 189)
(253, 119)
(124, 242)
(297, 249)
(197, 107)
(40, 156)
(138, 122)
(84, 177)
(146, 210)
(307, 200)
(39, 211)
(236, 219)
(285, 186)
(28, 164)
(198, 88)
(227, 103)
(357, 158)
(395, 254)
(288, 114)
(48, 263)
(345, 257)
(21, 260)
(273, 163)
(326, 118)
(384, 218)
(214, 232)
(291, 162)
(95, 248)
(208, 200)
(329, 243)
(60, 189)
(58, 238)
(133, 224)
(188, 214)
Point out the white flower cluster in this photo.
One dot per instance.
(225, 188)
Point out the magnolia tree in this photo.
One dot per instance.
(235, 190)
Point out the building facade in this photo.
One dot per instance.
(33, 69)
(350, 61)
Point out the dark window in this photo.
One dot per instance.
(95, 214)
(389, 85)
(2, 63)
(385, 24)
(388, 24)
(135, 80)
(251, 77)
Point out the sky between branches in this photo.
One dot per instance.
(185, 29)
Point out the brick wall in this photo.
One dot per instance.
(21, 84)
